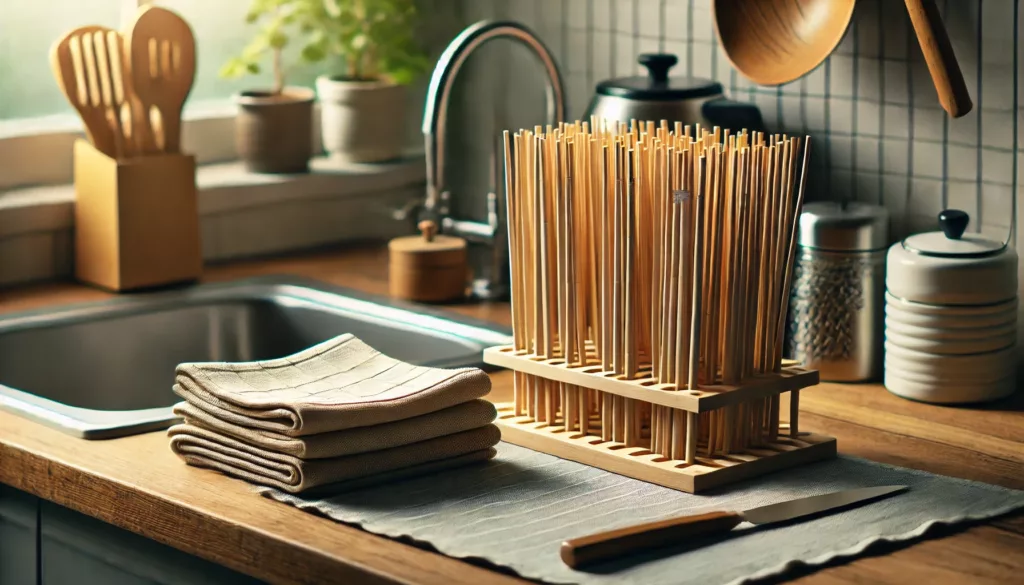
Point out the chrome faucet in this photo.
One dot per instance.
(491, 279)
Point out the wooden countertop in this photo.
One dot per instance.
(138, 484)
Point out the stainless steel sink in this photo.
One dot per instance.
(103, 370)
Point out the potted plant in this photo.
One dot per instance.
(274, 127)
(363, 105)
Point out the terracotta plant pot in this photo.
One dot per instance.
(361, 121)
(274, 133)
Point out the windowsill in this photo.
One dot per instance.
(241, 213)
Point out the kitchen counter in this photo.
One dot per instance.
(138, 484)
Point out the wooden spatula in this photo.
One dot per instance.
(74, 64)
(162, 62)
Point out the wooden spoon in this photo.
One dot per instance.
(162, 61)
(772, 42)
(74, 64)
(938, 54)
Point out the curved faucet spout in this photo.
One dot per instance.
(439, 92)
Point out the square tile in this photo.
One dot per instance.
(963, 196)
(703, 27)
(895, 89)
(769, 106)
(840, 76)
(865, 187)
(602, 12)
(724, 73)
(866, 150)
(997, 129)
(625, 56)
(600, 55)
(929, 123)
(895, 157)
(841, 153)
(926, 196)
(702, 57)
(897, 121)
(649, 14)
(996, 207)
(927, 160)
(997, 166)
(922, 87)
(577, 12)
(841, 185)
(869, 37)
(577, 52)
(525, 12)
(963, 162)
(814, 109)
(868, 84)
(814, 82)
(869, 119)
(792, 115)
(996, 88)
(677, 19)
(964, 130)
(896, 30)
(623, 16)
(894, 197)
(551, 12)
(840, 115)
(997, 20)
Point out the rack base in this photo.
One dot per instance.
(640, 463)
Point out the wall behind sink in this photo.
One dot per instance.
(879, 133)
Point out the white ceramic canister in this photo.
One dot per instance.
(951, 319)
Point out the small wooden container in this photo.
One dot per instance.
(428, 268)
(136, 220)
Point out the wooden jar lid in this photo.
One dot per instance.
(427, 267)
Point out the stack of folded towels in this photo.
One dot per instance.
(335, 415)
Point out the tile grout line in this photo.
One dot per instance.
(880, 198)
(980, 145)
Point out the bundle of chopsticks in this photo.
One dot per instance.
(653, 251)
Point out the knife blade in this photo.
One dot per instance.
(604, 546)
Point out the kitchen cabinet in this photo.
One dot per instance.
(46, 544)
(80, 550)
(19, 537)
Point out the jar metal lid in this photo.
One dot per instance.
(844, 227)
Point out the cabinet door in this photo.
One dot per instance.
(80, 550)
(19, 537)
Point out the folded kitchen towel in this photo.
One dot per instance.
(454, 419)
(203, 447)
(339, 384)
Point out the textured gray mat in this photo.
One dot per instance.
(516, 510)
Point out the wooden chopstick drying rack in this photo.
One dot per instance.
(650, 270)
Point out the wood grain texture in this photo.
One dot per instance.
(124, 480)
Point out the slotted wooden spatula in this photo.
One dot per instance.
(162, 62)
(74, 63)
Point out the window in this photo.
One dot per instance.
(27, 30)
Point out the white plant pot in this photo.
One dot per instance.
(361, 121)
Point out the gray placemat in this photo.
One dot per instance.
(516, 510)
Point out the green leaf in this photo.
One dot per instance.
(314, 53)
(253, 68)
(277, 39)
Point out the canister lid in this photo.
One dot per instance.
(843, 226)
(950, 268)
(951, 241)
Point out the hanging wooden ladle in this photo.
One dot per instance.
(772, 42)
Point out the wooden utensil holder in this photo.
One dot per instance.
(722, 433)
(136, 220)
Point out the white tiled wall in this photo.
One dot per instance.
(879, 132)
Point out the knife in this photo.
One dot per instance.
(610, 544)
